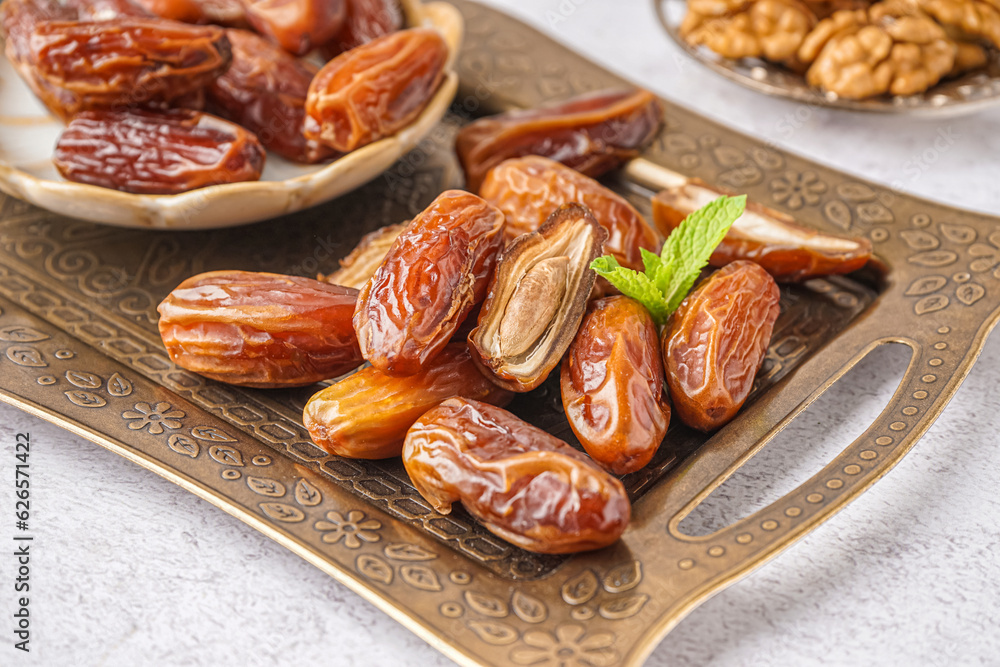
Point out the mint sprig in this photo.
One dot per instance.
(668, 277)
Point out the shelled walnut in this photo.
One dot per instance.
(901, 55)
(852, 48)
(968, 56)
(771, 29)
(975, 19)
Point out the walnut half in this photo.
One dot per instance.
(977, 19)
(885, 51)
(771, 29)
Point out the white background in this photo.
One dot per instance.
(130, 570)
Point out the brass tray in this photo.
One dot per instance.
(78, 346)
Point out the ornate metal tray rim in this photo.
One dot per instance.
(340, 574)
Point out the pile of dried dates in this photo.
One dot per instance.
(165, 96)
(485, 295)
(853, 49)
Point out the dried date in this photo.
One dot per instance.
(366, 415)
(529, 189)
(375, 90)
(612, 385)
(364, 21)
(220, 12)
(260, 329)
(264, 90)
(523, 484)
(785, 249)
(592, 133)
(123, 63)
(537, 298)
(436, 271)
(715, 343)
(156, 152)
(297, 26)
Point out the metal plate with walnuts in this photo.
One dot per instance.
(79, 347)
(961, 95)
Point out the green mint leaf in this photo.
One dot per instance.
(633, 284)
(668, 277)
(657, 270)
(688, 248)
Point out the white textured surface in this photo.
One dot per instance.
(130, 570)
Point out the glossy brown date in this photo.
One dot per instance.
(123, 63)
(716, 341)
(260, 329)
(366, 415)
(612, 385)
(524, 485)
(264, 90)
(365, 20)
(156, 152)
(592, 133)
(529, 189)
(376, 89)
(785, 249)
(220, 12)
(436, 271)
(297, 26)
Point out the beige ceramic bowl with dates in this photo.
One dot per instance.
(28, 135)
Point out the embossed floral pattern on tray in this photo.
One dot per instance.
(354, 529)
(153, 418)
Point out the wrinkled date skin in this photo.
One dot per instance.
(529, 189)
(716, 341)
(366, 415)
(612, 385)
(123, 63)
(436, 271)
(264, 90)
(156, 152)
(297, 26)
(375, 90)
(221, 12)
(524, 485)
(592, 134)
(260, 329)
(365, 20)
(785, 249)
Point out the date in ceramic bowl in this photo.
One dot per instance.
(28, 134)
